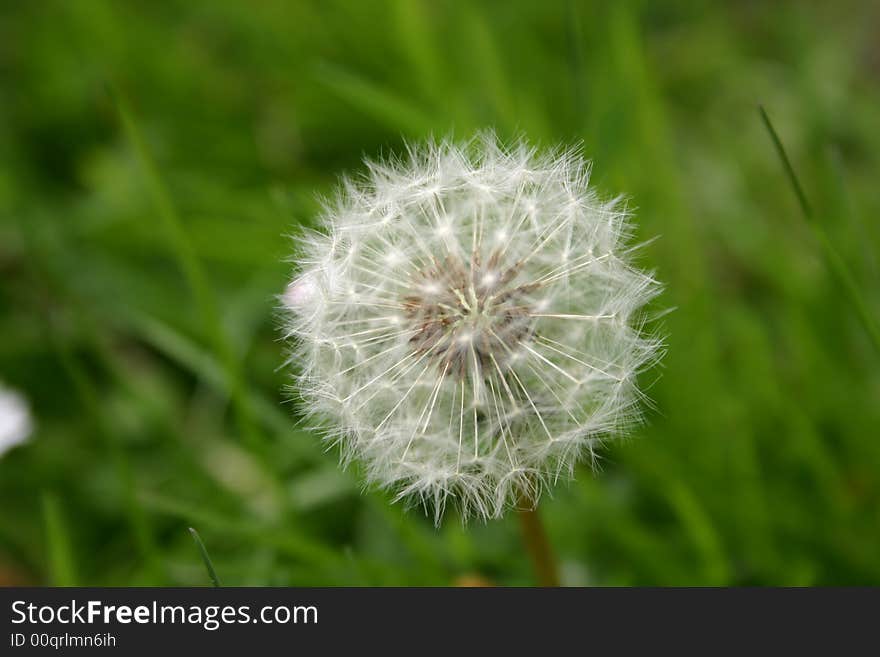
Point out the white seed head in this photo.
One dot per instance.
(466, 322)
(15, 420)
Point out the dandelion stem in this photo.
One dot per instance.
(537, 545)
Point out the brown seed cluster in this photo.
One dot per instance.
(469, 316)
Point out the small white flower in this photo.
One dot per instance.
(466, 323)
(15, 420)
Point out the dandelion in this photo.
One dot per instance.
(466, 322)
(15, 420)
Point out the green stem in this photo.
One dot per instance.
(537, 545)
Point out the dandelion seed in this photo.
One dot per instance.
(466, 322)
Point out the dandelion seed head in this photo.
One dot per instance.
(467, 322)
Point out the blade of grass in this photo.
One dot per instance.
(849, 211)
(59, 553)
(834, 261)
(189, 355)
(786, 164)
(296, 546)
(205, 558)
(375, 100)
(697, 524)
(88, 397)
(193, 272)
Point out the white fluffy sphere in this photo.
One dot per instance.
(465, 323)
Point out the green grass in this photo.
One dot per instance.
(153, 156)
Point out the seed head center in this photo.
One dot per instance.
(469, 317)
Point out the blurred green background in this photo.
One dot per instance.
(153, 155)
